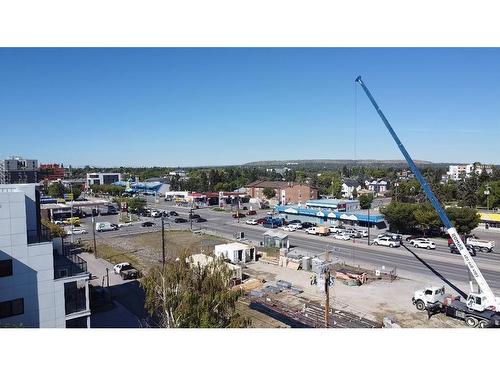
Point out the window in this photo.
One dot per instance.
(5, 267)
(428, 292)
(11, 308)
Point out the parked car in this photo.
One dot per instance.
(155, 214)
(353, 233)
(173, 213)
(262, 220)
(269, 213)
(295, 225)
(386, 241)
(409, 238)
(117, 268)
(251, 212)
(194, 216)
(454, 250)
(393, 236)
(288, 228)
(342, 236)
(307, 224)
(251, 222)
(238, 215)
(200, 220)
(363, 232)
(424, 244)
(128, 272)
(295, 222)
(77, 231)
(336, 229)
(148, 224)
(180, 220)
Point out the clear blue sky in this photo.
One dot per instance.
(190, 107)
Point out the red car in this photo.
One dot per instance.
(261, 220)
(251, 212)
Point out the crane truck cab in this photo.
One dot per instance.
(428, 296)
(479, 302)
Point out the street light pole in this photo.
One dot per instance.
(93, 233)
(369, 225)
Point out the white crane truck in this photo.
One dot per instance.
(480, 308)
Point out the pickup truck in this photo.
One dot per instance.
(322, 231)
(126, 271)
(481, 245)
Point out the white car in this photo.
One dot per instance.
(117, 268)
(386, 242)
(418, 240)
(269, 213)
(121, 225)
(312, 230)
(424, 244)
(363, 232)
(295, 226)
(251, 222)
(288, 228)
(77, 231)
(335, 229)
(59, 222)
(342, 236)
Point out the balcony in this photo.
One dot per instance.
(68, 265)
(38, 236)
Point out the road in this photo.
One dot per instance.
(434, 265)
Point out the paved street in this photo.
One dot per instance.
(410, 262)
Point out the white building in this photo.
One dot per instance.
(236, 252)
(378, 186)
(102, 178)
(348, 187)
(455, 172)
(40, 286)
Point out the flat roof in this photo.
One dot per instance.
(203, 260)
(233, 246)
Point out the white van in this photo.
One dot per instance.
(104, 227)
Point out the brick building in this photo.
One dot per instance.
(286, 192)
(51, 172)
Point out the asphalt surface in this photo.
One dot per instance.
(438, 264)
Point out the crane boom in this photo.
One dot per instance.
(469, 262)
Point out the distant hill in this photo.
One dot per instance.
(331, 163)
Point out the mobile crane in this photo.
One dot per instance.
(481, 307)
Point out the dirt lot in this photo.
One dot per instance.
(373, 301)
(144, 250)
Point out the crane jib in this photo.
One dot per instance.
(469, 262)
(428, 192)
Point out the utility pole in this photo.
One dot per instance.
(487, 193)
(369, 225)
(163, 240)
(93, 233)
(191, 218)
(326, 276)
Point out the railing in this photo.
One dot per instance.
(38, 236)
(68, 265)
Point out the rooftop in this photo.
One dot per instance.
(232, 246)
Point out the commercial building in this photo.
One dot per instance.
(18, 170)
(51, 172)
(102, 178)
(285, 192)
(489, 221)
(329, 212)
(41, 285)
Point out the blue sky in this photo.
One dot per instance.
(190, 107)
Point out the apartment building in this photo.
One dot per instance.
(51, 172)
(102, 178)
(17, 170)
(286, 192)
(41, 285)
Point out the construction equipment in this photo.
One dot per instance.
(479, 301)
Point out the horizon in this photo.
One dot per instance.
(174, 106)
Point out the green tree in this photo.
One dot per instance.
(426, 217)
(181, 295)
(355, 193)
(467, 191)
(365, 201)
(56, 190)
(400, 216)
(54, 230)
(269, 193)
(464, 219)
